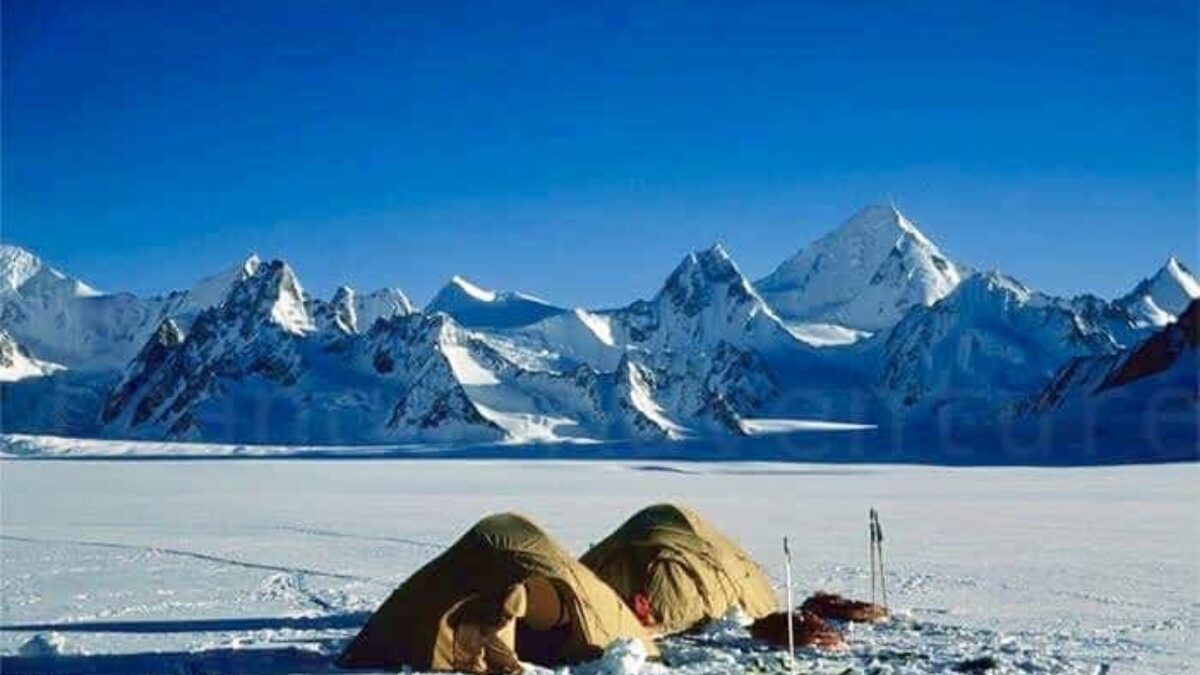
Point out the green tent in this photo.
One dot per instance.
(689, 571)
(412, 626)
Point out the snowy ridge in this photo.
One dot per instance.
(349, 312)
(60, 319)
(381, 304)
(707, 339)
(16, 363)
(1135, 379)
(208, 292)
(864, 275)
(986, 342)
(1156, 301)
(515, 401)
(16, 267)
(563, 341)
(476, 307)
(881, 329)
(575, 375)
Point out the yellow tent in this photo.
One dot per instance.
(689, 572)
(571, 615)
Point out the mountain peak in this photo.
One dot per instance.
(701, 269)
(288, 309)
(17, 265)
(251, 263)
(882, 220)
(990, 283)
(461, 284)
(1173, 269)
(716, 251)
(354, 312)
(1159, 299)
(213, 290)
(708, 298)
(877, 213)
(476, 307)
(272, 289)
(865, 274)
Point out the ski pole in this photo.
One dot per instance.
(787, 573)
(871, 549)
(879, 544)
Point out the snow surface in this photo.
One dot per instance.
(271, 566)
(771, 426)
(825, 334)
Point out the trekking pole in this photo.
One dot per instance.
(787, 574)
(879, 546)
(871, 549)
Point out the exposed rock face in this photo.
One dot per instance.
(1168, 354)
(253, 333)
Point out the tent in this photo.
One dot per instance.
(687, 570)
(571, 615)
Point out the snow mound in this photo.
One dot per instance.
(626, 656)
(732, 624)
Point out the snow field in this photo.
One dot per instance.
(269, 566)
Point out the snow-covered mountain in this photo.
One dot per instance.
(184, 306)
(882, 329)
(16, 363)
(60, 319)
(705, 301)
(258, 367)
(865, 274)
(18, 266)
(692, 361)
(983, 346)
(476, 307)
(249, 338)
(1157, 300)
(704, 344)
(1161, 367)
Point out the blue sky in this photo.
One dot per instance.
(578, 152)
